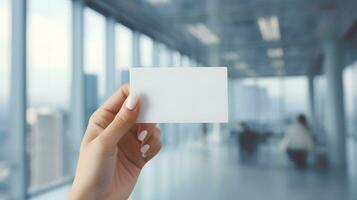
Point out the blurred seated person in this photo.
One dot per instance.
(298, 142)
(248, 140)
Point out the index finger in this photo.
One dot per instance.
(106, 113)
(115, 102)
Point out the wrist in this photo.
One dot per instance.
(75, 194)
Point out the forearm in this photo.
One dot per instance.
(79, 193)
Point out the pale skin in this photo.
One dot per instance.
(112, 153)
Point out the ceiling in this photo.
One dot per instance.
(303, 26)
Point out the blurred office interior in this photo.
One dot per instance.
(60, 59)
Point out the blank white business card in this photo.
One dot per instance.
(181, 94)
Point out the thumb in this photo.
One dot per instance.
(123, 121)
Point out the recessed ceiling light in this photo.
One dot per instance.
(269, 28)
(158, 2)
(203, 33)
(231, 56)
(242, 66)
(275, 52)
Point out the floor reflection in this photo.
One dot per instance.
(212, 170)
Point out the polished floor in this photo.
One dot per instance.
(213, 170)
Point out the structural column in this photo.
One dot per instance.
(311, 91)
(17, 137)
(110, 72)
(77, 109)
(336, 129)
(232, 89)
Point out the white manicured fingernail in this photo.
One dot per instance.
(142, 135)
(144, 148)
(131, 101)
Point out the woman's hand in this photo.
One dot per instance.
(114, 150)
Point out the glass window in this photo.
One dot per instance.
(164, 56)
(146, 51)
(124, 59)
(176, 59)
(349, 78)
(124, 47)
(193, 62)
(4, 96)
(271, 100)
(185, 61)
(296, 96)
(48, 90)
(94, 63)
(252, 91)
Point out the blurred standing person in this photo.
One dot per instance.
(248, 141)
(204, 132)
(298, 142)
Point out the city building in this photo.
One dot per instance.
(46, 147)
